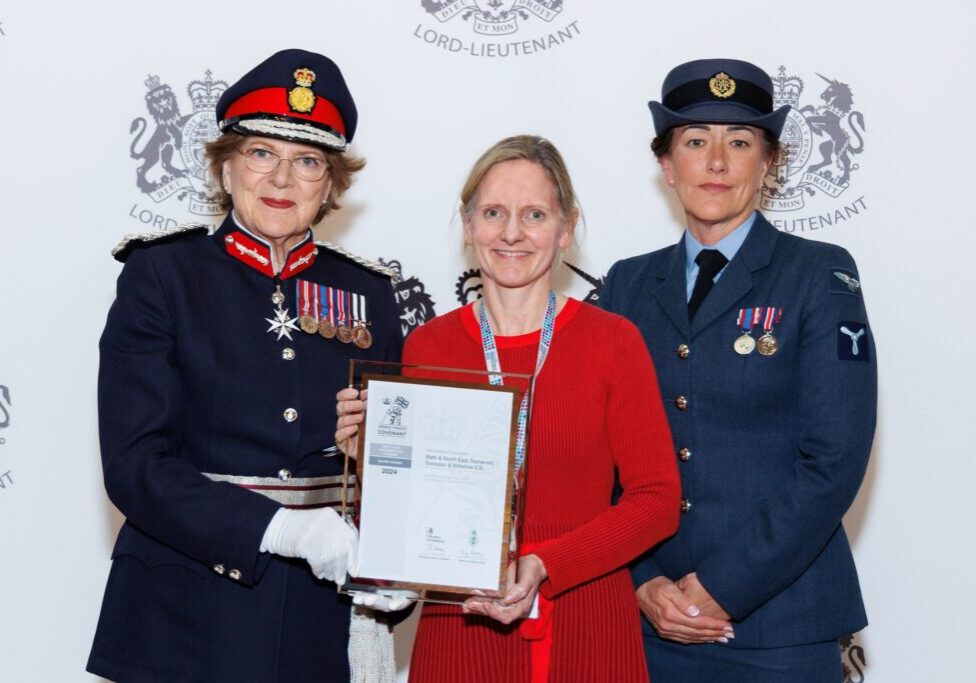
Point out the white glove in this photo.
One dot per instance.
(388, 601)
(321, 537)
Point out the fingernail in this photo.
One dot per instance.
(693, 611)
(723, 640)
(730, 634)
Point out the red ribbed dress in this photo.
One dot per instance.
(596, 408)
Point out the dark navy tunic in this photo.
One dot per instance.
(191, 381)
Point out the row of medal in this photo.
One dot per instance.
(750, 318)
(333, 313)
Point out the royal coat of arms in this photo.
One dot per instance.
(171, 158)
(820, 143)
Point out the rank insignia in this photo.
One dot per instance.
(852, 343)
(845, 282)
(301, 98)
(721, 85)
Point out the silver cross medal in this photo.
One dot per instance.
(281, 323)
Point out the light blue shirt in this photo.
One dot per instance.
(728, 245)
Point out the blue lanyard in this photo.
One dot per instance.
(494, 366)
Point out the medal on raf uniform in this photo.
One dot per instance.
(767, 344)
(744, 344)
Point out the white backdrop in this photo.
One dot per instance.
(432, 95)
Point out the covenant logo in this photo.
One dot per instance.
(169, 149)
(488, 28)
(392, 422)
(821, 144)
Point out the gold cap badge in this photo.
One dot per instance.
(301, 98)
(721, 85)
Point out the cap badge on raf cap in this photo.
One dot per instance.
(721, 85)
(301, 98)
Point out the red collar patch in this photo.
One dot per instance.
(257, 255)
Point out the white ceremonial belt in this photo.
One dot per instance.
(294, 492)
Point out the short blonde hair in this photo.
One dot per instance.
(530, 148)
(342, 168)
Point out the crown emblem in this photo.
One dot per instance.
(721, 85)
(206, 93)
(304, 76)
(786, 90)
(154, 87)
(301, 98)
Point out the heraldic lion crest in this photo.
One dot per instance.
(166, 139)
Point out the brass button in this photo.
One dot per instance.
(219, 568)
(234, 574)
(683, 351)
(288, 353)
(681, 403)
(685, 506)
(684, 454)
(229, 239)
(290, 415)
(284, 474)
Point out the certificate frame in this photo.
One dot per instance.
(424, 382)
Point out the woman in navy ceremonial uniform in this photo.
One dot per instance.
(767, 367)
(220, 362)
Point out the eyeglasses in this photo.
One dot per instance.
(308, 168)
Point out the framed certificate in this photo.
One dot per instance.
(435, 477)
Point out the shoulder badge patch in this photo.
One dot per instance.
(844, 282)
(852, 341)
(134, 241)
(365, 262)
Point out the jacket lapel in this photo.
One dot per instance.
(736, 280)
(671, 291)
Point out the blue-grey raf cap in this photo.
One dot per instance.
(717, 91)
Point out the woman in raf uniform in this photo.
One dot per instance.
(219, 363)
(593, 414)
(767, 369)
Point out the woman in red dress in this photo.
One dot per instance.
(596, 412)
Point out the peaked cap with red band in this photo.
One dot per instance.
(293, 95)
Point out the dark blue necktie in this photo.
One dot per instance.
(710, 262)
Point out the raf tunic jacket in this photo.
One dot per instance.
(771, 449)
(191, 381)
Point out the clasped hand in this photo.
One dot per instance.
(524, 577)
(684, 611)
